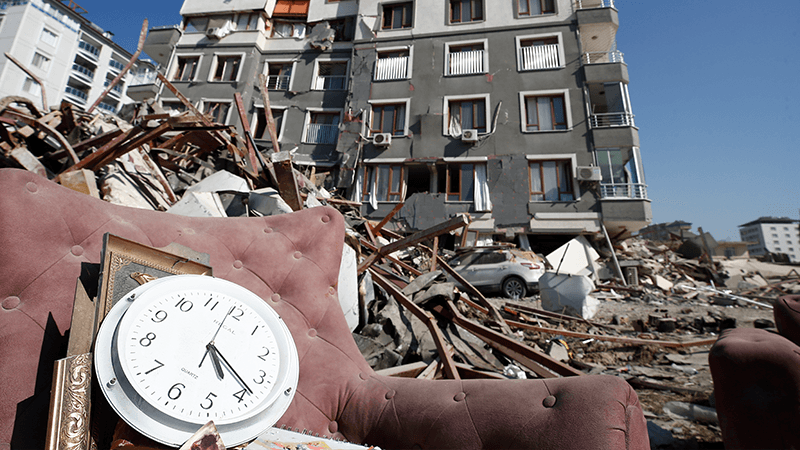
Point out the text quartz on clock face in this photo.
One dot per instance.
(169, 364)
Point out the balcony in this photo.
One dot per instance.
(89, 51)
(636, 191)
(116, 91)
(318, 133)
(613, 119)
(142, 86)
(603, 57)
(75, 95)
(395, 68)
(539, 57)
(82, 73)
(107, 107)
(592, 4)
(115, 65)
(330, 83)
(279, 82)
(464, 63)
(143, 78)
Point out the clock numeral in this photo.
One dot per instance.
(254, 330)
(147, 339)
(160, 365)
(212, 306)
(264, 356)
(240, 395)
(260, 379)
(237, 313)
(210, 401)
(160, 316)
(175, 391)
(184, 305)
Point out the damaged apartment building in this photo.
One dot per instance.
(516, 112)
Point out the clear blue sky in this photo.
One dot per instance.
(713, 87)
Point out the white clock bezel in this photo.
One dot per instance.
(169, 430)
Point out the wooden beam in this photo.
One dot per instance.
(405, 266)
(251, 151)
(33, 76)
(388, 217)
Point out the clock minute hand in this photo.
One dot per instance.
(211, 342)
(216, 351)
(210, 349)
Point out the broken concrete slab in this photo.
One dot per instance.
(221, 180)
(568, 294)
(421, 282)
(199, 204)
(576, 257)
(347, 287)
(268, 202)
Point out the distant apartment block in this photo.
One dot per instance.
(772, 235)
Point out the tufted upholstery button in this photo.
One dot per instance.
(76, 250)
(549, 401)
(333, 427)
(363, 376)
(390, 395)
(32, 187)
(331, 290)
(298, 255)
(238, 264)
(10, 303)
(276, 297)
(326, 219)
(268, 230)
(460, 396)
(312, 333)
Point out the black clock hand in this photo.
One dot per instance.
(214, 337)
(214, 360)
(214, 350)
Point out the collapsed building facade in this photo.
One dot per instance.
(514, 112)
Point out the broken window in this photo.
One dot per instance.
(392, 64)
(218, 111)
(40, 61)
(284, 29)
(535, 7)
(331, 76)
(323, 128)
(551, 181)
(545, 113)
(279, 76)
(466, 114)
(389, 118)
(384, 183)
(187, 68)
(462, 11)
(538, 53)
(465, 59)
(397, 15)
(261, 128)
(195, 24)
(227, 68)
(341, 31)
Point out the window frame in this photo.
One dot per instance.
(409, 64)
(257, 27)
(383, 9)
(458, 165)
(406, 102)
(446, 110)
(35, 88)
(370, 175)
(215, 65)
(45, 58)
(291, 22)
(523, 109)
(540, 159)
(307, 121)
(561, 57)
(254, 122)
(207, 101)
(266, 70)
(458, 44)
(316, 77)
(176, 67)
(520, 15)
(449, 13)
(55, 35)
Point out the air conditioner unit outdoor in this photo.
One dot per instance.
(589, 173)
(212, 32)
(469, 136)
(382, 139)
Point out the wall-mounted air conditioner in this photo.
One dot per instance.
(589, 173)
(469, 136)
(382, 139)
(213, 33)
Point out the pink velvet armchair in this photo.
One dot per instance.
(291, 261)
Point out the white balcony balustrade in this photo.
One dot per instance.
(76, 95)
(603, 57)
(320, 133)
(278, 82)
(590, 4)
(395, 68)
(636, 191)
(464, 63)
(145, 78)
(84, 73)
(539, 57)
(613, 119)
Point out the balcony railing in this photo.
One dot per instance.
(143, 78)
(117, 89)
(614, 119)
(79, 95)
(107, 107)
(330, 83)
(589, 4)
(318, 133)
(603, 57)
(395, 68)
(116, 65)
(539, 57)
(629, 190)
(464, 63)
(89, 49)
(83, 70)
(278, 82)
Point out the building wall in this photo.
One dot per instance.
(773, 238)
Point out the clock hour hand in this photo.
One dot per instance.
(211, 342)
(214, 351)
(211, 350)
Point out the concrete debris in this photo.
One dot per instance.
(568, 294)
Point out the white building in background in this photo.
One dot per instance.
(75, 59)
(773, 235)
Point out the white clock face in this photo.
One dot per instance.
(184, 350)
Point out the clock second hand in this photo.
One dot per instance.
(211, 343)
(213, 349)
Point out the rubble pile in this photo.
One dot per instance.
(654, 312)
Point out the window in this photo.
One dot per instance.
(623, 175)
(535, 7)
(551, 181)
(331, 76)
(40, 61)
(31, 87)
(322, 128)
(774, 235)
(393, 65)
(537, 53)
(389, 118)
(247, 22)
(544, 112)
(465, 114)
(342, 29)
(465, 58)
(284, 29)
(279, 76)
(187, 68)
(460, 182)
(227, 68)
(218, 111)
(462, 11)
(48, 37)
(397, 16)
(385, 183)
(261, 131)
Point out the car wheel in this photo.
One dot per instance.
(514, 287)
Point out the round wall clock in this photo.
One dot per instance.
(184, 350)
